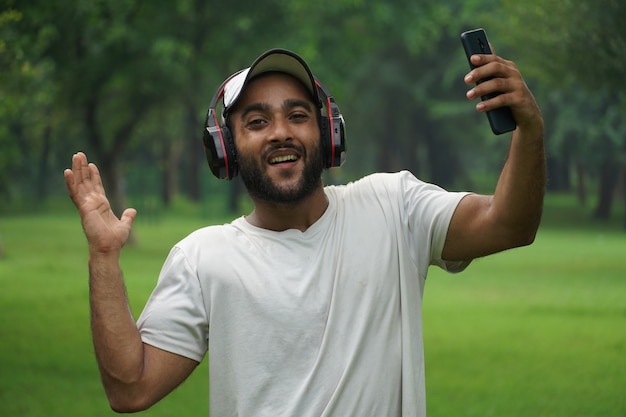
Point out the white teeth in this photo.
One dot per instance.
(284, 158)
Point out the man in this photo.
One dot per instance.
(311, 304)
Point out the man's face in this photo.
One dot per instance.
(275, 125)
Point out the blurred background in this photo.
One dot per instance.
(537, 331)
(129, 83)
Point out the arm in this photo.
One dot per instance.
(482, 225)
(134, 375)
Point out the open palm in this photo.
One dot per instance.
(104, 231)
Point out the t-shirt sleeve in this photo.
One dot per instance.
(174, 318)
(429, 209)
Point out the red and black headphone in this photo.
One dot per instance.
(219, 145)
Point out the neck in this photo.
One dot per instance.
(283, 216)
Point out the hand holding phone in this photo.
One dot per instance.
(475, 42)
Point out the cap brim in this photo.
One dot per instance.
(274, 60)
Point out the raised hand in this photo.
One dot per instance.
(508, 81)
(104, 231)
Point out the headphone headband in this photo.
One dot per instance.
(219, 145)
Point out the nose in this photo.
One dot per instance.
(281, 130)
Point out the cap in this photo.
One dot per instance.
(280, 60)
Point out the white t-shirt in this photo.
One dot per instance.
(325, 322)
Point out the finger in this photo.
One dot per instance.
(96, 179)
(499, 69)
(482, 59)
(69, 180)
(481, 70)
(75, 162)
(83, 167)
(497, 85)
(79, 163)
(72, 187)
(492, 103)
(128, 216)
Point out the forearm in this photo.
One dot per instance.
(118, 346)
(134, 375)
(518, 198)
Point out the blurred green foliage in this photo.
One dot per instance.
(129, 82)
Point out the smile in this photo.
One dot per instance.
(283, 158)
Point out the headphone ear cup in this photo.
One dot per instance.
(333, 138)
(332, 130)
(325, 137)
(231, 152)
(220, 150)
(219, 144)
(339, 144)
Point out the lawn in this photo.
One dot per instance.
(536, 331)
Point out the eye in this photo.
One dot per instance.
(256, 123)
(299, 117)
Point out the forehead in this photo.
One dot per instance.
(272, 86)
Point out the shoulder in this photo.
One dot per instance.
(212, 231)
(214, 238)
(398, 185)
(373, 182)
(401, 191)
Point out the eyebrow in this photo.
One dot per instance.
(254, 107)
(295, 102)
(287, 104)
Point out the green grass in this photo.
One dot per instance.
(47, 367)
(536, 331)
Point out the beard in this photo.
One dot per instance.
(261, 186)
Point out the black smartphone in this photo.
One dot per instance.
(475, 42)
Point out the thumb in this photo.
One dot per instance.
(128, 216)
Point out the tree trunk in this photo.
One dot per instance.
(580, 184)
(195, 153)
(389, 144)
(444, 164)
(113, 184)
(170, 159)
(624, 192)
(236, 188)
(558, 173)
(42, 174)
(608, 180)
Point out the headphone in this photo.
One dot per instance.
(219, 145)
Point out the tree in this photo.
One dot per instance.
(92, 50)
(27, 111)
(130, 81)
(579, 48)
(400, 67)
